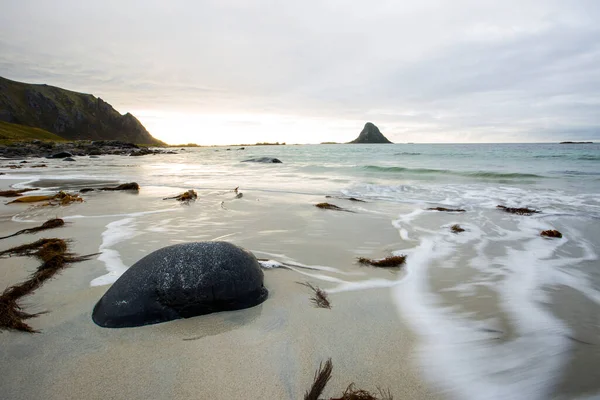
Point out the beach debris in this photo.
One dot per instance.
(518, 211)
(50, 224)
(14, 193)
(456, 228)
(236, 189)
(346, 198)
(322, 377)
(55, 257)
(264, 160)
(85, 190)
(61, 198)
(185, 197)
(239, 195)
(32, 199)
(446, 209)
(551, 233)
(388, 262)
(133, 186)
(39, 166)
(328, 206)
(320, 298)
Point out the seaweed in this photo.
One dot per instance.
(320, 298)
(53, 253)
(62, 198)
(346, 198)
(518, 211)
(133, 186)
(322, 377)
(352, 393)
(328, 206)
(456, 228)
(85, 190)
(388, 262)
(446, 209)
(551, 233)
(186, 197)
(14, 193)
(50, 224)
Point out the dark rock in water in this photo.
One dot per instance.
(267, 160)
(133, 186)
(68, 159)
(94, 156)
(370, 134)
(62, 154)
(182, 281)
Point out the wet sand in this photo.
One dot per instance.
(270, 351)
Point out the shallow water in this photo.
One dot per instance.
(500, 312)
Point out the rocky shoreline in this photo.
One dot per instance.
(40, 149)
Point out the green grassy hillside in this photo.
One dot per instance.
(15, 132)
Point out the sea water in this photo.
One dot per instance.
(500, 311)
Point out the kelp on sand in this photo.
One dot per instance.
(185, 197)
(61, 198)
(322, 378)
(54, 256)
(388, 262)
(320, 298)
(50, 224)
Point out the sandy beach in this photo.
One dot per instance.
(270, 351)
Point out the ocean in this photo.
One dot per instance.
(498, 311)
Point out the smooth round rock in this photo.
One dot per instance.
(182, 281)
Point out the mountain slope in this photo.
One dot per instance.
(370, 134)
(71, 115)
(10, 131)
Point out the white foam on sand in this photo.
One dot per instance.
(460, 357)
(115, 233)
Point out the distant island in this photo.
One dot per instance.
(70, 115)
(576, 143)
(370, 134)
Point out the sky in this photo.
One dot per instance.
(227, 71)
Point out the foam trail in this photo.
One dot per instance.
(115, 233)
(462, 359)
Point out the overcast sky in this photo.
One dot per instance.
(225, 71)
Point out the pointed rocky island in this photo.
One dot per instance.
(370, 134)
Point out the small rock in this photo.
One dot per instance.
(266, 160)
(68, 159)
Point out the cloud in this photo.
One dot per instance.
(433, 70)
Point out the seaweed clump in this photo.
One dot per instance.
(518, 211)
(186, 197)
(551, 233)
(320, 298)
(456, 228)
(50, 224)
(446, 209)
(388, 262)
(346, 198)
(328, 206)
(322, 378)
(14, 193)
(55, 257)
(61, 198)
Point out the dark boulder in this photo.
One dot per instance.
(182, 281)
(267, 160)
(68, 159)
(62, 154)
